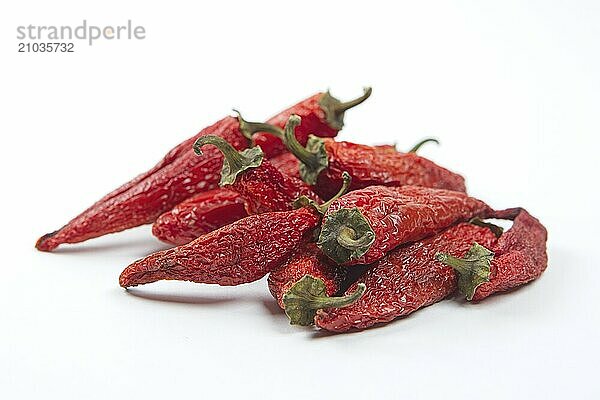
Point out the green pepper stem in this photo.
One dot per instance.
(313, 158)
(233, 157)
(309, 294)
(317, 303)
(248, 129)
(347, 238)
(299, 151)
(460, 265)
(473, 269)
(345, 235)
(341, 107)
(334, 109)
(234, 162)
(417, 146)
(321, 208)
(346, 182)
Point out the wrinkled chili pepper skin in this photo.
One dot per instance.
(287, 164)
(405, 280)
(199, 215)
(313, 122)
(266, 189)
(179, 175)
(378, 165)
(308, 260)
(405, 214)
(519, 255)
(240, 252)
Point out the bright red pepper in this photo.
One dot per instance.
(199, 215)
(362, 226)
(518, 257)
(324, 160)
(406, 279)
(181, 174)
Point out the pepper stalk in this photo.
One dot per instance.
(248, 129)
(313, 158)
(234, 162)
(308, 295)
(345, 235)
(473, 270)
(417, 146)
(303, 201)
(335, 109)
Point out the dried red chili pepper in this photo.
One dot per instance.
(263, 187)
(323, 160)
(210, 210)
(362, 226)
(199, 215)
(406, 279)
(308, 260)
(518, 257)
(240, 252)
(180, 174)
(323, 115)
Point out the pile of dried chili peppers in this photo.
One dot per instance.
(349, 235)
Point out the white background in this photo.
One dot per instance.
(510, 88)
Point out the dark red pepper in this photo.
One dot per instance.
(199, 215)
(405, 280)
(362, 226)
(240, 252)
(181, 174)
(324, 160)
(263, 187)
(518, 257)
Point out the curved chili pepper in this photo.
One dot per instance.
(308, 260)
(406, 279)
(362, 226)
(240, 252)
(180, 174)
(518, 257)
(323, 160)
(199, 215)
(263, 187)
